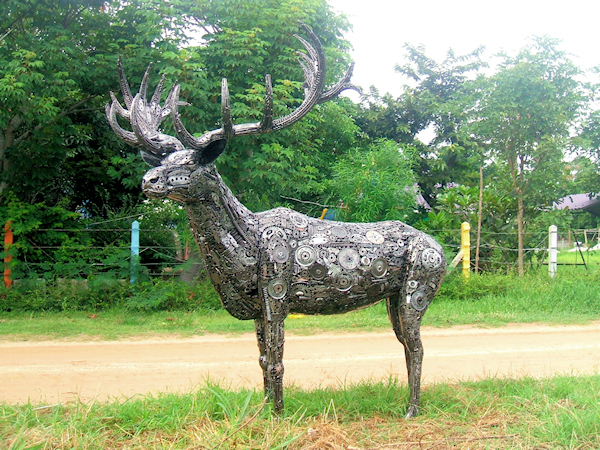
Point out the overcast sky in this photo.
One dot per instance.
(381, 27)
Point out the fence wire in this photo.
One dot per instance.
(94, 251)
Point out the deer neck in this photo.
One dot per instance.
(218, 216)
(226, 232)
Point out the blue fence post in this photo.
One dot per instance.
(135, 250)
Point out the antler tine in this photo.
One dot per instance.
(125, 135)
(120, 110)
(144, 85)
(317, 69)
(226, 110)
(314, 67)
(340, 86)
(166, 109)
(144, 118)
(158, 144)
(309, 75)
(155, 100)
(127, 97)
(309, 48)
(184, 135)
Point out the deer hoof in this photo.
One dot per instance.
(412, 412)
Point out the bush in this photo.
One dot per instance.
(63, 294)
(169, 295)
(104, 292)
(456, 287)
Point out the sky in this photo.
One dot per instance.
(382, 27)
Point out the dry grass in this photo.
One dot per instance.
(563, 412)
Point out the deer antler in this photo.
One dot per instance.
(314, 68)
(145, 118)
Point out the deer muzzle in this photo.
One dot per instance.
(162, 182)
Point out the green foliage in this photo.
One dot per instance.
(64, 295)
(456, 287)
(36, 227)
(375, 184)
(523, 116)
(101, 293)
(173, 295)
(430, 104)
(557, 412)
(57, 64)
(246, 40)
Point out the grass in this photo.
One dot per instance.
(572, 297)
(591, 257)
(560, 412)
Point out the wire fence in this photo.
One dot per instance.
(163, 252)
(80, 253)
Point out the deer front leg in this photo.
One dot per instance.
(274, 334)
(259, 326)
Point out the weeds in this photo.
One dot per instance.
(560, 412)
(168, 308)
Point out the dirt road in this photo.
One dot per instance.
(61, 371)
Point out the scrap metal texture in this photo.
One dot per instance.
(267, 265)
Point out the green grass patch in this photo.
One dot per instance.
(559, 412)
(590, 257)
(483, 300)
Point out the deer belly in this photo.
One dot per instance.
(307, 299)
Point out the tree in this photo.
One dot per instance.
(431, 104)
(376, 183)
(57, 64)
(243, 41)
(523, 116)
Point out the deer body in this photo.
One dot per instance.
(267, 265)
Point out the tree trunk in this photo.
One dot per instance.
(520, 234)
(479, 212)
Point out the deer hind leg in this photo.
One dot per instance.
(424, 274)
(406, 325)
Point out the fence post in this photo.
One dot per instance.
(135, 250)
(465, 248)
(8, 241)
(552, 250)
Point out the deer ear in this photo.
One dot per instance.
(211, 152)
(151, 159)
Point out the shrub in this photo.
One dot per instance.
(456, 287)
(105, 291)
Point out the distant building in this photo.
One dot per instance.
(580, 202)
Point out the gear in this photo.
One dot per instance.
(318, 271)
(379, 267)
(305, 255)
(349, 258)
(419, 301)
(277, 288)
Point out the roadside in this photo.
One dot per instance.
(53, 371)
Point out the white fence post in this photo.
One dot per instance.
(135, 250)
(552, 250)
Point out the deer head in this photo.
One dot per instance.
(176, 160)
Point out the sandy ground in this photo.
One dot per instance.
(53, 371)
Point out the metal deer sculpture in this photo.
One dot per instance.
(267, 265)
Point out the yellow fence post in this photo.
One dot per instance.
(465, 248)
